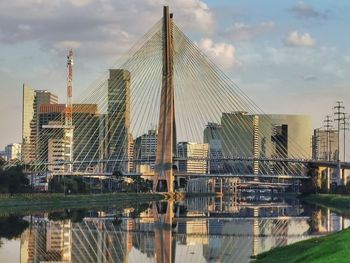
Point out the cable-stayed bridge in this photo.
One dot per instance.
(167, 109)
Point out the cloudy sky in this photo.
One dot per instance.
(288, 56)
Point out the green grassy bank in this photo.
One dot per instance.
(23, 203)
(338, 203)
(331, 248)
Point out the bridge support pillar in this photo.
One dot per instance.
(343, 176)
(166, 141)
(328, 179)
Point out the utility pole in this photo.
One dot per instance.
(328, 127)
(338, 117)
(344, 128)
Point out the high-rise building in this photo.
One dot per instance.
(32, 99)
(56, 154)
(118, 120)
(145, 149)
(281, 136)
(86, 139)
(199, 154)
(13, 151)
(212, 136)
(239, 128)
(49, 139)
(325, 145)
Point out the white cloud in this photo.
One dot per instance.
(222, 53)
(241, 31)
(114, 25)
(80, 2)
(295, 39)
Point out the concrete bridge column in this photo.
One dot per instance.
(343, 176)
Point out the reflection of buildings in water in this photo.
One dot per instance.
(28, 245)
(155, 236)
(193, 232)
(46, 241)
(323, 221)
(240, 238)
(212, 204)
(58, 239)
(96, 240)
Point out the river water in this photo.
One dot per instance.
(215, 229)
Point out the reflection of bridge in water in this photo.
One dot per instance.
(168, 232)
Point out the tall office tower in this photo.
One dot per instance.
(188, 150)
(51, 141)
(245, 135)
(130, 165)
(86, 121)
(212, 136)
(118, 119)
(145, 149)
(86, 136)
(13, 151)
(280, 141)
(32, 99)
(325, 144)
(238, 129)
(280, 146)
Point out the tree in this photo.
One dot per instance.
(70, 184)
(13, 180)
(2, 163)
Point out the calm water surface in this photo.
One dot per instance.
(194, 230)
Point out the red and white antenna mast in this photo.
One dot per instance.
(69, 106)
(69, 128)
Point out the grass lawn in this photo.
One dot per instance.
(331, 248)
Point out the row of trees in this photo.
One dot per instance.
(13, 180)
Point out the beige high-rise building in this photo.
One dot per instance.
(51, 143)
(260, 136)
(32, 99)
(188, 150)
(145, 149)
(13, 151)
(242, 133)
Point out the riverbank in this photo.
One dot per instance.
(337, 203)
(331, 248)
(23, 203)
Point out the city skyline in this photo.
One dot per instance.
(290, 46)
